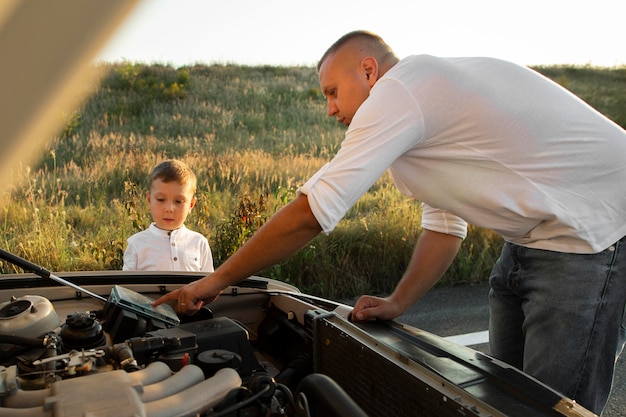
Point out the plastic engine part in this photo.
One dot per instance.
(152, 392)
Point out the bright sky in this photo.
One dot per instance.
(293, 32)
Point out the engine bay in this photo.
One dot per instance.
(59, 360)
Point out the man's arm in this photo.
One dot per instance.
(433, 254)
(284, 234)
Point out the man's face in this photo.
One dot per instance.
(170, 203)
(345, 84)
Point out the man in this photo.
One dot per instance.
(494, 144)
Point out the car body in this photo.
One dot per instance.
(300, 354)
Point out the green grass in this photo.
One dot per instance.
(252, 135)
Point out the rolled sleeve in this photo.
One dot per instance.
(442, 221)
(371, 146)
(327, 212)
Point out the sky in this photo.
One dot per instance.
(295, 32)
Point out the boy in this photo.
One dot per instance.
(167, 245)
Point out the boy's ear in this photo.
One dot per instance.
(193, 202)
(148, 196)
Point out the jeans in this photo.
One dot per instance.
(559, 317)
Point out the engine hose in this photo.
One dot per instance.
(286, 391)
(124, 356)
(295, 370)
(20, 345)
(151, 374)
(227, 411)
(198, 399)
(188, 376)
(22, 341)
(326, 398)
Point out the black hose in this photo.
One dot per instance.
(22, 341)
(281, 388)
(20, 345)
(326, 398)
(244, 403)
(295, 370)
(122, 354)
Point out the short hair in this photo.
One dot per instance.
(174, 170)
(374, 42)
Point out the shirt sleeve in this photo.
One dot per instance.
(207, 258)
(386, 125)
(442, 221)
(130, 258)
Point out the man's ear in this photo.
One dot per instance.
(370, 67)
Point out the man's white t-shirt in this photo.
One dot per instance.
(486, 142)
(156, 249)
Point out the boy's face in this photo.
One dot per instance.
(170, 203)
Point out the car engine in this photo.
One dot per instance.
(114, 362)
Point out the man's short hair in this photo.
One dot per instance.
(375, 42)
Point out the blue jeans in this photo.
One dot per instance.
(560, 317)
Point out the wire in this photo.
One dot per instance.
(243, 403)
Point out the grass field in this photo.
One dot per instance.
(252, 135)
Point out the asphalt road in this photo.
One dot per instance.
(463, 310)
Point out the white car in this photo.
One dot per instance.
(90, 344)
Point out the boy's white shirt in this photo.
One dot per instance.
(155, 249)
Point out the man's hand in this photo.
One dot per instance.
(191, 297)
(432, 255)
(372, 308)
